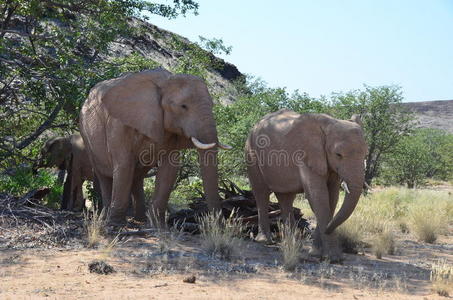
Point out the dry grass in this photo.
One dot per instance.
(93, 224)
(291, 245)
(350, 235)
(221, 237)
(384, 243)
(167, 237)
(378, 214)
(428, 218)
(442, 278)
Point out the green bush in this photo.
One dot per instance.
(424, 154)
(23, 181)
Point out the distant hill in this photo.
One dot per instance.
(433, 114)
(155, 43)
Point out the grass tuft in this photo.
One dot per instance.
(221, 237)
(442, 278)
(93, 224)
(421, 222)
(384, 243)
(350, 235)
(290, 245)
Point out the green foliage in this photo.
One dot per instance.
(52, 53)
(384, 119)
(23, 181)
(196, 60)
(424, 154)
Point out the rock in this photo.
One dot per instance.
(100, 267)
(190, 279)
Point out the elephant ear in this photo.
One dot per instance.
(314, 148)
(356, 119)
(136, 102)
(60, 151)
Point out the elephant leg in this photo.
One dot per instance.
(121, 192)
(105, 184)
(97, 201)
(333, 185)
(261, 194)
(67, 190)
(320, 204)
(138, 198)
(79, 203)
(286, 201)
(165, 180)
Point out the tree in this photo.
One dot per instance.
(52, 52)
(424, 154)
(384, 119)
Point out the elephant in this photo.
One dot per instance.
(141, 120)
(68, 153)
(289, 153)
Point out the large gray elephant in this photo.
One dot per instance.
(141, 120)
(290, 153)
(68, 153)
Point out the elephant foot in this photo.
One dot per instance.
(140, 218)
(116, 221)
(263, 238)
(334, 256)
(315, 252)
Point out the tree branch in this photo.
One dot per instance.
(45, 125)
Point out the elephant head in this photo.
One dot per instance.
(340, 147)
(164, 106)
(56, 152)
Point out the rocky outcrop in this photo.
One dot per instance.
(156, 43)
(433, 114)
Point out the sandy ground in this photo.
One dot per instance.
(144, 271)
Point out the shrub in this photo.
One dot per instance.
(442, 278)
(23, 181)
(290, 245)
(384, 243)
(350, 234)
(221, 237)
(93, 224)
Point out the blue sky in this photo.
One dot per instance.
(326, 46)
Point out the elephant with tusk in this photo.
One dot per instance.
(141, 120)
(290, 153)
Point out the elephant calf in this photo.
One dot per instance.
(68, 153)
(290, 153)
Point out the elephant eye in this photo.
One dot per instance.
(184, 106)
(339, 155)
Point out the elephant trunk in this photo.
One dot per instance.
(208, 162)
(353, 190)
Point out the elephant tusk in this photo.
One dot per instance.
(367, 185)
(344, 185)
(225, 147)
(200, 145)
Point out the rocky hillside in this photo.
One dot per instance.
(158, 44)
(433, 114)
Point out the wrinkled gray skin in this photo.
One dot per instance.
(321, 152)
(68, 153)
(141, 120)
